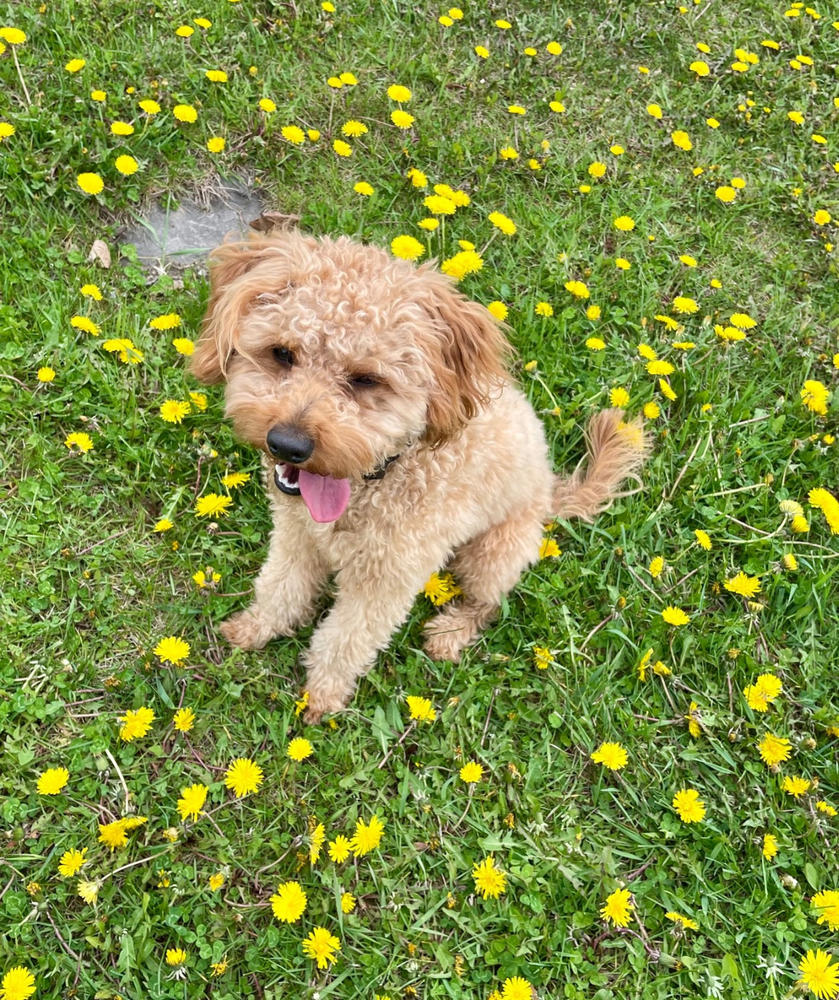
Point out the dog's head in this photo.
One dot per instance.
(337, 357)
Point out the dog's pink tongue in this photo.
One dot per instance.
(326, 498)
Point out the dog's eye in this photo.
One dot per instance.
(363, 381)
(283, 356)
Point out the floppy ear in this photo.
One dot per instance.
(469, 355)
(230, 296)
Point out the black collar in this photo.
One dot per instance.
(382, 469)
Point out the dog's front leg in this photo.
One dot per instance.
(373, 600)
(285, 592)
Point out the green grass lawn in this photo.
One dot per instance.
(712, 128)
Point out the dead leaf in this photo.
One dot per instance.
(100, 252)
(274, 220)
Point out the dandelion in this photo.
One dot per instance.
(654, 110)
(367, 836)
(216, 144)
(490, 881)
(243, 777)
(113, 834)
(233, 480)
(611, 755)
(745, 586)
(439, 205)
(53, 780)
(420, 709)
(822, 217)
(578, 289)
(318, 837)
(136, 723)
(185, 113)
(763, 692)
(595, 344)
(651, 411)
(618, 397)
(150, 107)
(339, 849)
(498, 310)
(675, 616)
(321, 946)
(824, 501)
(826, 903)
(175, 956)
(401, 119)
(814, 395)
(481, 51)
(14, 36)
(795, 786)
(72, 862)
(407, 248)
(184, 720)
(770, 846)
(463, 263)
(618, 908)
(471, 772)
(689, 806)
(684, 304)
(173, 649)
(660, 367)
(819, 974)
(216, 881)
(88, 890)
(548, 549)
(212, 505)
(398, 93)
(725, 193)
(90, 183)
(500, 221)
(543, 309)
(684, 922)
(126, 165)
(18, 983)
(289, 902)
(441, 588)
(774, 749)
(624, 223)
(192, 801)
(681, 140)
(299, 749)
(348, 902)
(363, 188)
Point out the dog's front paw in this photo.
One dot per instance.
(324, 702)
(445, 644)
(246, 631)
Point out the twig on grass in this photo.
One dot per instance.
(111, 758)
(399, 743)
(61, 940)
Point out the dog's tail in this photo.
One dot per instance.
(615, 451)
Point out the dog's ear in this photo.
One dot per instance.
(231, 297)
(469, 355)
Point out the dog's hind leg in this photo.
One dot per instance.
(486, 568)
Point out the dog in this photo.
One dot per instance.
(395, 443)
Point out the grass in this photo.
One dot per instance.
(88, 588)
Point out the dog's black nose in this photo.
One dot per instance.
(289, 444)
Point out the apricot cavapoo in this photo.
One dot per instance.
(395, 443)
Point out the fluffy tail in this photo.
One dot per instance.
(616, 451)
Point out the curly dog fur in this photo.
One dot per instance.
(394, 442)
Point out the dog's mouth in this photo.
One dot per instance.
(326, 498)
(287, 479)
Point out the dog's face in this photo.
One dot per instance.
(338, 357)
